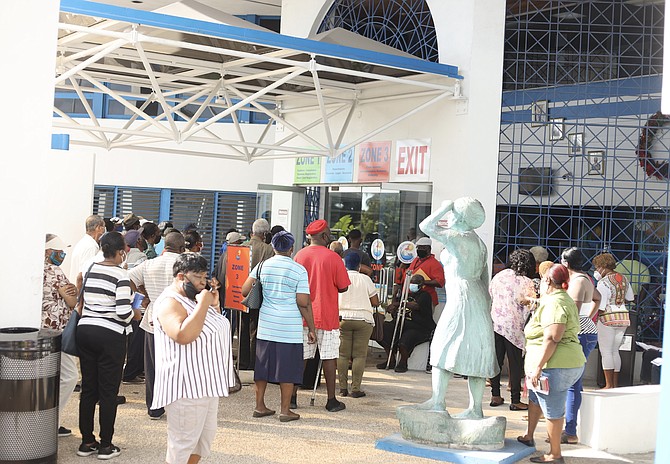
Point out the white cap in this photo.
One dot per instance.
(54, 243)
(233, 237)
(424, 241)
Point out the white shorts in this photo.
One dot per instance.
(328, 342)
(191, 428)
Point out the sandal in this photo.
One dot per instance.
(269, 412)
(542, 459)
(518, 407)
(569, 439)
(530, 442)
(496, 401)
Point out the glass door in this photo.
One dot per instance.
(389, 212)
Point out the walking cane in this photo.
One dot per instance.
(400, 316)
(316, 382)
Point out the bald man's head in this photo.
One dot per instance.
(174, 242)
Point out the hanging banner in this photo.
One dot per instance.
(238, 266)
(374, 161)
(307, 170)
(340, 168)
(412, 161)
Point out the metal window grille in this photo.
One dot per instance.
(403, 24)
(597, 66)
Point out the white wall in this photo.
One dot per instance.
(464, 146)
(74, 173)
(617, 137)
(28, 94)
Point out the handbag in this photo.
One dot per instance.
(69, 334)
(616, 319)
(378, 329)
(254, 299)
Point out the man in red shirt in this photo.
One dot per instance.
(327, 277)
(425, 263)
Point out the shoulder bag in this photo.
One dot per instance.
(378, 329)
(254, 299)
(69, 335)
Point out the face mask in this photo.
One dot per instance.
(597, 275)
(413, 288)
(57, 257)
(190, 290)
(422, 253)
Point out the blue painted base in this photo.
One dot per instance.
(512, 452)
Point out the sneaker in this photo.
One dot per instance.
(63, 432)
(88, 449)
(401, 368)
(383, 365)
(109, 452)
(333, 405)
(134, 380)
(156, 415)
(294, 402)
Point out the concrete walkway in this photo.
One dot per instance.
(318, 437)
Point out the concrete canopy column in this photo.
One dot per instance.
(28, 32)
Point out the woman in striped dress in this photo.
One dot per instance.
(101, 341)
(194, 360)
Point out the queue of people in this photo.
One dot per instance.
(546, 325)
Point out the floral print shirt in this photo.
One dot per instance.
(55, 312)
(509, 316)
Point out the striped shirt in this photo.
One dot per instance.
(200, 369)
(107, 298)
(279, 319)
(156, 276)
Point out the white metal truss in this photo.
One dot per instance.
(193, 80)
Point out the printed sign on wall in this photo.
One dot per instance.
(374, 161)
(412, 161)
(340, 168)
(307, 170)
(238, 263)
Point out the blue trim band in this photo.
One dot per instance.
(60, 141)
(164, 206)
(602, 110)
(633, 86)
(268, 39)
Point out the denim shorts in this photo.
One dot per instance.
(560, 379)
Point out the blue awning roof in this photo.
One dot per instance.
(171, 78)
(267, 39)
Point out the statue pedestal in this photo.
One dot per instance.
(439, 428)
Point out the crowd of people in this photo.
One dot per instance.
(547, 319)
(149, 313)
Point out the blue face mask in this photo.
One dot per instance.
(413, 288)
(57, 257)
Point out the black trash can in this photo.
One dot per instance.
(29, 387)
(627, 353)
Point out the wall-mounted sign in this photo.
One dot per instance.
(340, 168)
(374, 161)
(412, 161)
(307, 170)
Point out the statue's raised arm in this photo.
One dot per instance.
(429, 225)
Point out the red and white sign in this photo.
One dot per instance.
(412, 161)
